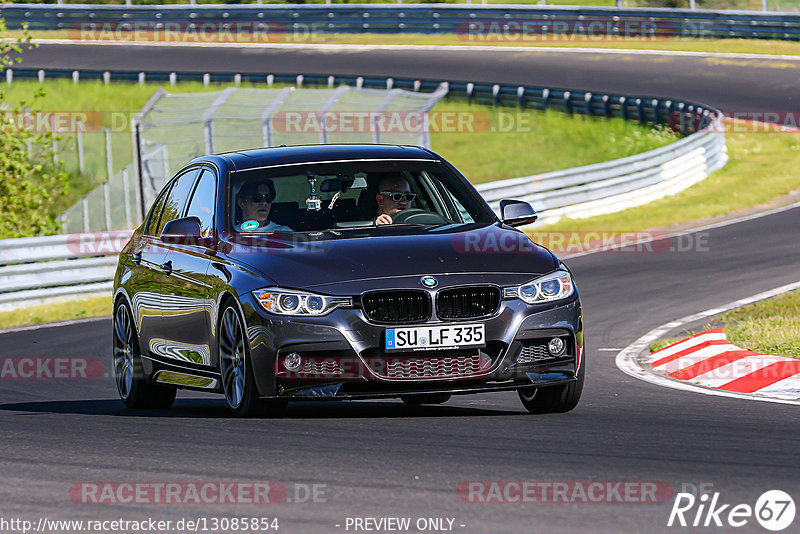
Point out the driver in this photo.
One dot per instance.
(394, 195)
(255, 200)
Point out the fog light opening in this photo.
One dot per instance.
(293, 361)
(556, 346)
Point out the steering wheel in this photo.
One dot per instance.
(417, 216)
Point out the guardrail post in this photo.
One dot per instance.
(470, 90)
(389, 83)
(206, 79)
(417, 85)
(588, 99)
(76, 76)
(40, 75)
(545, 98)
(568, 101)
(496, 94)
(270, 80)
(237, 80)
(623, 104)
(141, 78)
(173, 78)
(359, 82)
(606, 106)
(640, 110)
(9, 76)
(331, 81)
(299, 82)
(657, 110)
(106, 77)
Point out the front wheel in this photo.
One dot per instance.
(553, 399)
(236, 370)
(132, 386)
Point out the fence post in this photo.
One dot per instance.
(107, 207)
(76, 76)
(109, 161)
(9, 76)
(79, 135)
(85, 206)
(126, 196)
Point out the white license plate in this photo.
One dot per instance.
(415, 338)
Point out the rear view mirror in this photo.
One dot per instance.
(517, 212)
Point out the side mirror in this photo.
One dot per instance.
(176, 231)
(517, 213)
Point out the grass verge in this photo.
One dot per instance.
(493, 144)
(770, 327)
(57, 311)
(761, 169)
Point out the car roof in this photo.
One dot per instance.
(264, 157)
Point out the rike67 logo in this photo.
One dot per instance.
(774, 510)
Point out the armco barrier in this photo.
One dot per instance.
(606, 187)
(511, 21)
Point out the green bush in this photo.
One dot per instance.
(29, 183)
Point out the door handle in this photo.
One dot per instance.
(167, 267)
(136, 257)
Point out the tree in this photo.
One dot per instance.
(28, 185)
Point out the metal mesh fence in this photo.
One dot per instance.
(179, 127)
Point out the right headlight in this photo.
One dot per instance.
(554, 286)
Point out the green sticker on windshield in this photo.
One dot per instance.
(249, 225)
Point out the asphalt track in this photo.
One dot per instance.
(379, 459)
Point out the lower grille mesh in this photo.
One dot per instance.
(433, 367)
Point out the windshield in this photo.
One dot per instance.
(312, 197)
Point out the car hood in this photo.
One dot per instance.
(348, 260)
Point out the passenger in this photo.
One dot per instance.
(255, 200)
(394, 195)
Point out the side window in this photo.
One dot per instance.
(155, 212)
(203, 201)
(176, 199)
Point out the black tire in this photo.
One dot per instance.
(554, 399)
(132, 385)
(236, 369)
(429, 398)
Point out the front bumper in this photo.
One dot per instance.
(349, 361)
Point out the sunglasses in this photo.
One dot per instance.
(261, 197)
(398, 196)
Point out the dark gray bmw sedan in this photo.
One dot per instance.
(340, 272)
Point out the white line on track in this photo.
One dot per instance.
(627, 358)
(471, 48)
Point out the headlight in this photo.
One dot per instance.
(554, 286)
(289, 302)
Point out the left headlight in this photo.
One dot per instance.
(553, 286)
(289, 302)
